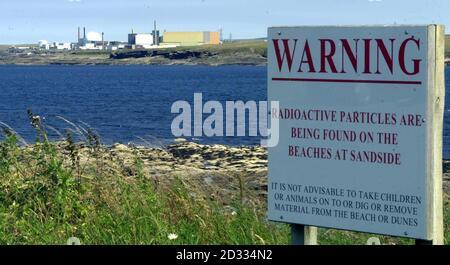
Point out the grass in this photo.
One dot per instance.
(48, 193)
(51, 191)
(90, 52)
(252, 47)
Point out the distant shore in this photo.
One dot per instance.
(235, 53)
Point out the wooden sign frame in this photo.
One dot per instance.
(307, 233)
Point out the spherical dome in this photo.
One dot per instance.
(94, 36)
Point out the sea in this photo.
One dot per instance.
(132, 103)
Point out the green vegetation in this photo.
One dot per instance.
(50, 191)
(247, 47)
(89, 52)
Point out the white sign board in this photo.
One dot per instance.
(360, 118)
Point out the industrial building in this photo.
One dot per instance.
(144, 40)
(62, 46)
(96, 41)
(191, 38)
(172, 39)
(140, 39)
(86, 41)
(44, 45)
(115, 45)
(91, 40)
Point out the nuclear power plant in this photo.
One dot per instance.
(145, 40)
(93, 40)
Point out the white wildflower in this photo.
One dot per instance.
(172, 236)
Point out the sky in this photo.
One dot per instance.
(28, 21)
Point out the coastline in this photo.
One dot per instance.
(75, 60)
(71, 59)
(252, 53)
(213, 168)
(206, 165)
(236, 53)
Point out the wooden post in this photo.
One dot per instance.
(303, 235)
(436, 103)
(420, 242)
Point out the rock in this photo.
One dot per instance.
(120, 147)
(208, 180)
(217, 170)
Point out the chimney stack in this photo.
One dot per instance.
(79, 31)
(84, 32)
(155, 35)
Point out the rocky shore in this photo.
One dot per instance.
(215, 167)
(215, 171)
(107, 59)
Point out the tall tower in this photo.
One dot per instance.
(155, 34)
